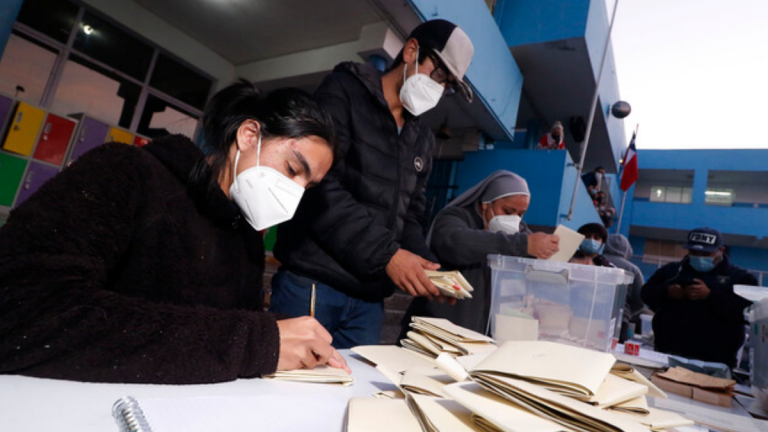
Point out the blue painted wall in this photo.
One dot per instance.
(550, 179)
(493, 72)
(524, 22)
(729, 220)
(9, 11)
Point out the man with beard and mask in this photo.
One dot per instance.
(359, 234)
(697, 314)
(553, 140)
(486, 219)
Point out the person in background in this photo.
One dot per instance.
(696, 312)
(360, 234)
(593, 181)
(144, 265)
(486, 219)
(553, 140)
(595, 236)
(605, 210)
(618, 251)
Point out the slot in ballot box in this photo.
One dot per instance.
(575, 304)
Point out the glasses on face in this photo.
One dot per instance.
(441, 75)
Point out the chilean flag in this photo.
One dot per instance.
(629, 174)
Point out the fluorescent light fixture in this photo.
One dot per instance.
(717, 193)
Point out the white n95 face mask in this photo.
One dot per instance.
(265, 196)
(509, 224)
(419, 93)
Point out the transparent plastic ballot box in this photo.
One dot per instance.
(575, 304)
(758, 335)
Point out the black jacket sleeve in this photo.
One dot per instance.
(58, 253)
(342, 225)
(457, 242)
(725, 303)
(654, 292)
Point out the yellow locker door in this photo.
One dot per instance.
(119, 135)
(24, 129)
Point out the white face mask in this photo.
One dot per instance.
(265, 196)
(509, 224)
(419, 93)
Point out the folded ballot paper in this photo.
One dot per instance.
(450, 283)
(434, 336)
(319, 374)
(566, 369)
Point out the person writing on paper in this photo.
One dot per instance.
(696, 313)
(486, 219)
(144, 265)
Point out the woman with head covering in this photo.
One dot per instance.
(486, 219)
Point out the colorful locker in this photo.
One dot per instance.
(54, 140)
(119, 135)
(91, 133)
(11, 172)
(24, 129)
(140, 141)
(37, 174)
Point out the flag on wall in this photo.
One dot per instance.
(629, 173)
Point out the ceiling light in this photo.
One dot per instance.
(717, 193)
(87, 29)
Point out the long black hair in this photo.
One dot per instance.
(288, 113)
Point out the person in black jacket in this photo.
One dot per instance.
(144, 265)
(359, 233)
(697, 314)
(486, 219)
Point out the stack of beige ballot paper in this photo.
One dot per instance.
(319, 374)
(434, 336)
(450, 283)
(523, 386)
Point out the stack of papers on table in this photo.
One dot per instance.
(522, 386)
(319, 374)
(434, 336)
(451, 283)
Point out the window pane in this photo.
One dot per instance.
(657, 193)
(673, 194)
(87, 88)
(723, 197)
(54, 18)
(113, 47)
(160, 118)
(687, 193)
(180, 82)
(26, 64)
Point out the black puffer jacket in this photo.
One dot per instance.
(371, 202)
(710, 329)
(120, 269)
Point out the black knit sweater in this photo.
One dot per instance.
(122, 269)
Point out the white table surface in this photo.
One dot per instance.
(36, 404)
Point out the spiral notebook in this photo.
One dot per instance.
(268, 412)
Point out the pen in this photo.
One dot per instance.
(312, 302)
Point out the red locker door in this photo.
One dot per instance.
(140, 141)
(54, 140)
